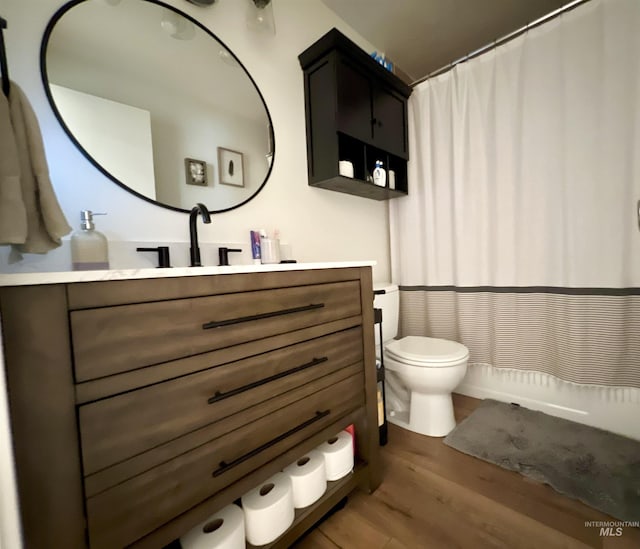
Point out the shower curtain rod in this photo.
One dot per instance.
(500, 41)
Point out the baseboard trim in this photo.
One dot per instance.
(615, 409)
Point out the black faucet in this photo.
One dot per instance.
(193, 231)
(223, 255)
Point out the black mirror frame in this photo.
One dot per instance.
(45, 81)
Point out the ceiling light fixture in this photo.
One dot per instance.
(260, 16)
(228, 58)
(177, 26)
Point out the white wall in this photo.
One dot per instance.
(321, 225)
(201, 131)
(115, 134)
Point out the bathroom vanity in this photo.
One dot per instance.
(142, 402)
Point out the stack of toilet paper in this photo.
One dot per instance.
(338, 455)
(269, 509)
(224, 530)
(308, 479)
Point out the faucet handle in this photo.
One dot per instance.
(223, 255)
(163, 255)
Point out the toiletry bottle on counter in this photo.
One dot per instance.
(255, 247)
(379, 174)
(89, 248)
(270, 247)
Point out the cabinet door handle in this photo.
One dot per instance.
(224, 466)
(221, 396)
(239, 320)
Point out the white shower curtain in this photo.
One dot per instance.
(523, 182)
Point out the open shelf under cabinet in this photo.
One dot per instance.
(308, 516)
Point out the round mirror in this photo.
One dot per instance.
(157, 103)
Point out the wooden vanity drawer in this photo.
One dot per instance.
(111, 340)
(130, 510)
(120, 427)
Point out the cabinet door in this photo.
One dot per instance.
(354, 116)
(389, 121)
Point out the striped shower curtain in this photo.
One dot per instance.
(520, 234)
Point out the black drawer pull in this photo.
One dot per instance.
(224, 466)
(220, 323)
(221, 396)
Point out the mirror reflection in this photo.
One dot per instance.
(157, 103)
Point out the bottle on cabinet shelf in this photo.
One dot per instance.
(392, 179)
(379, 175)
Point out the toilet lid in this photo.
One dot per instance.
(427, 350)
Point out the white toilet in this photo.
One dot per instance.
(420, 372)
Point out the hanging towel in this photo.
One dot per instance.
(13, 215)
(34, 224)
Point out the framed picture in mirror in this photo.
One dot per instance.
(195, 172)
(230, 165)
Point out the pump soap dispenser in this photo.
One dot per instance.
(379, 174)
(89, 248)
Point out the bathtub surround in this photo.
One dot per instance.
(520, 240)
(610, 408)
(597, 467)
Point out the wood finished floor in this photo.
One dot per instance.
(434, 496)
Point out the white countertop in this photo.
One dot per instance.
(31, 279)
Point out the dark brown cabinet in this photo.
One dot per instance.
(141, 407)
(355, 111)
(369, 111)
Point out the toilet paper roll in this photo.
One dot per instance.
(268, 510)
(345, 168)
(308, 479)
(224, 530)
(338, 455)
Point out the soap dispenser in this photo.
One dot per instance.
(89, 248)
(379, 174)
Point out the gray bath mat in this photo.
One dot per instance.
(599, 468)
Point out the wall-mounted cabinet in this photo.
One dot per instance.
(356, 111)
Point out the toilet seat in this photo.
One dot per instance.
(427, 352)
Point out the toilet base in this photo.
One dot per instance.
(430, 415)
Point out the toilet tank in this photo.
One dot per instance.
(389, 302)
